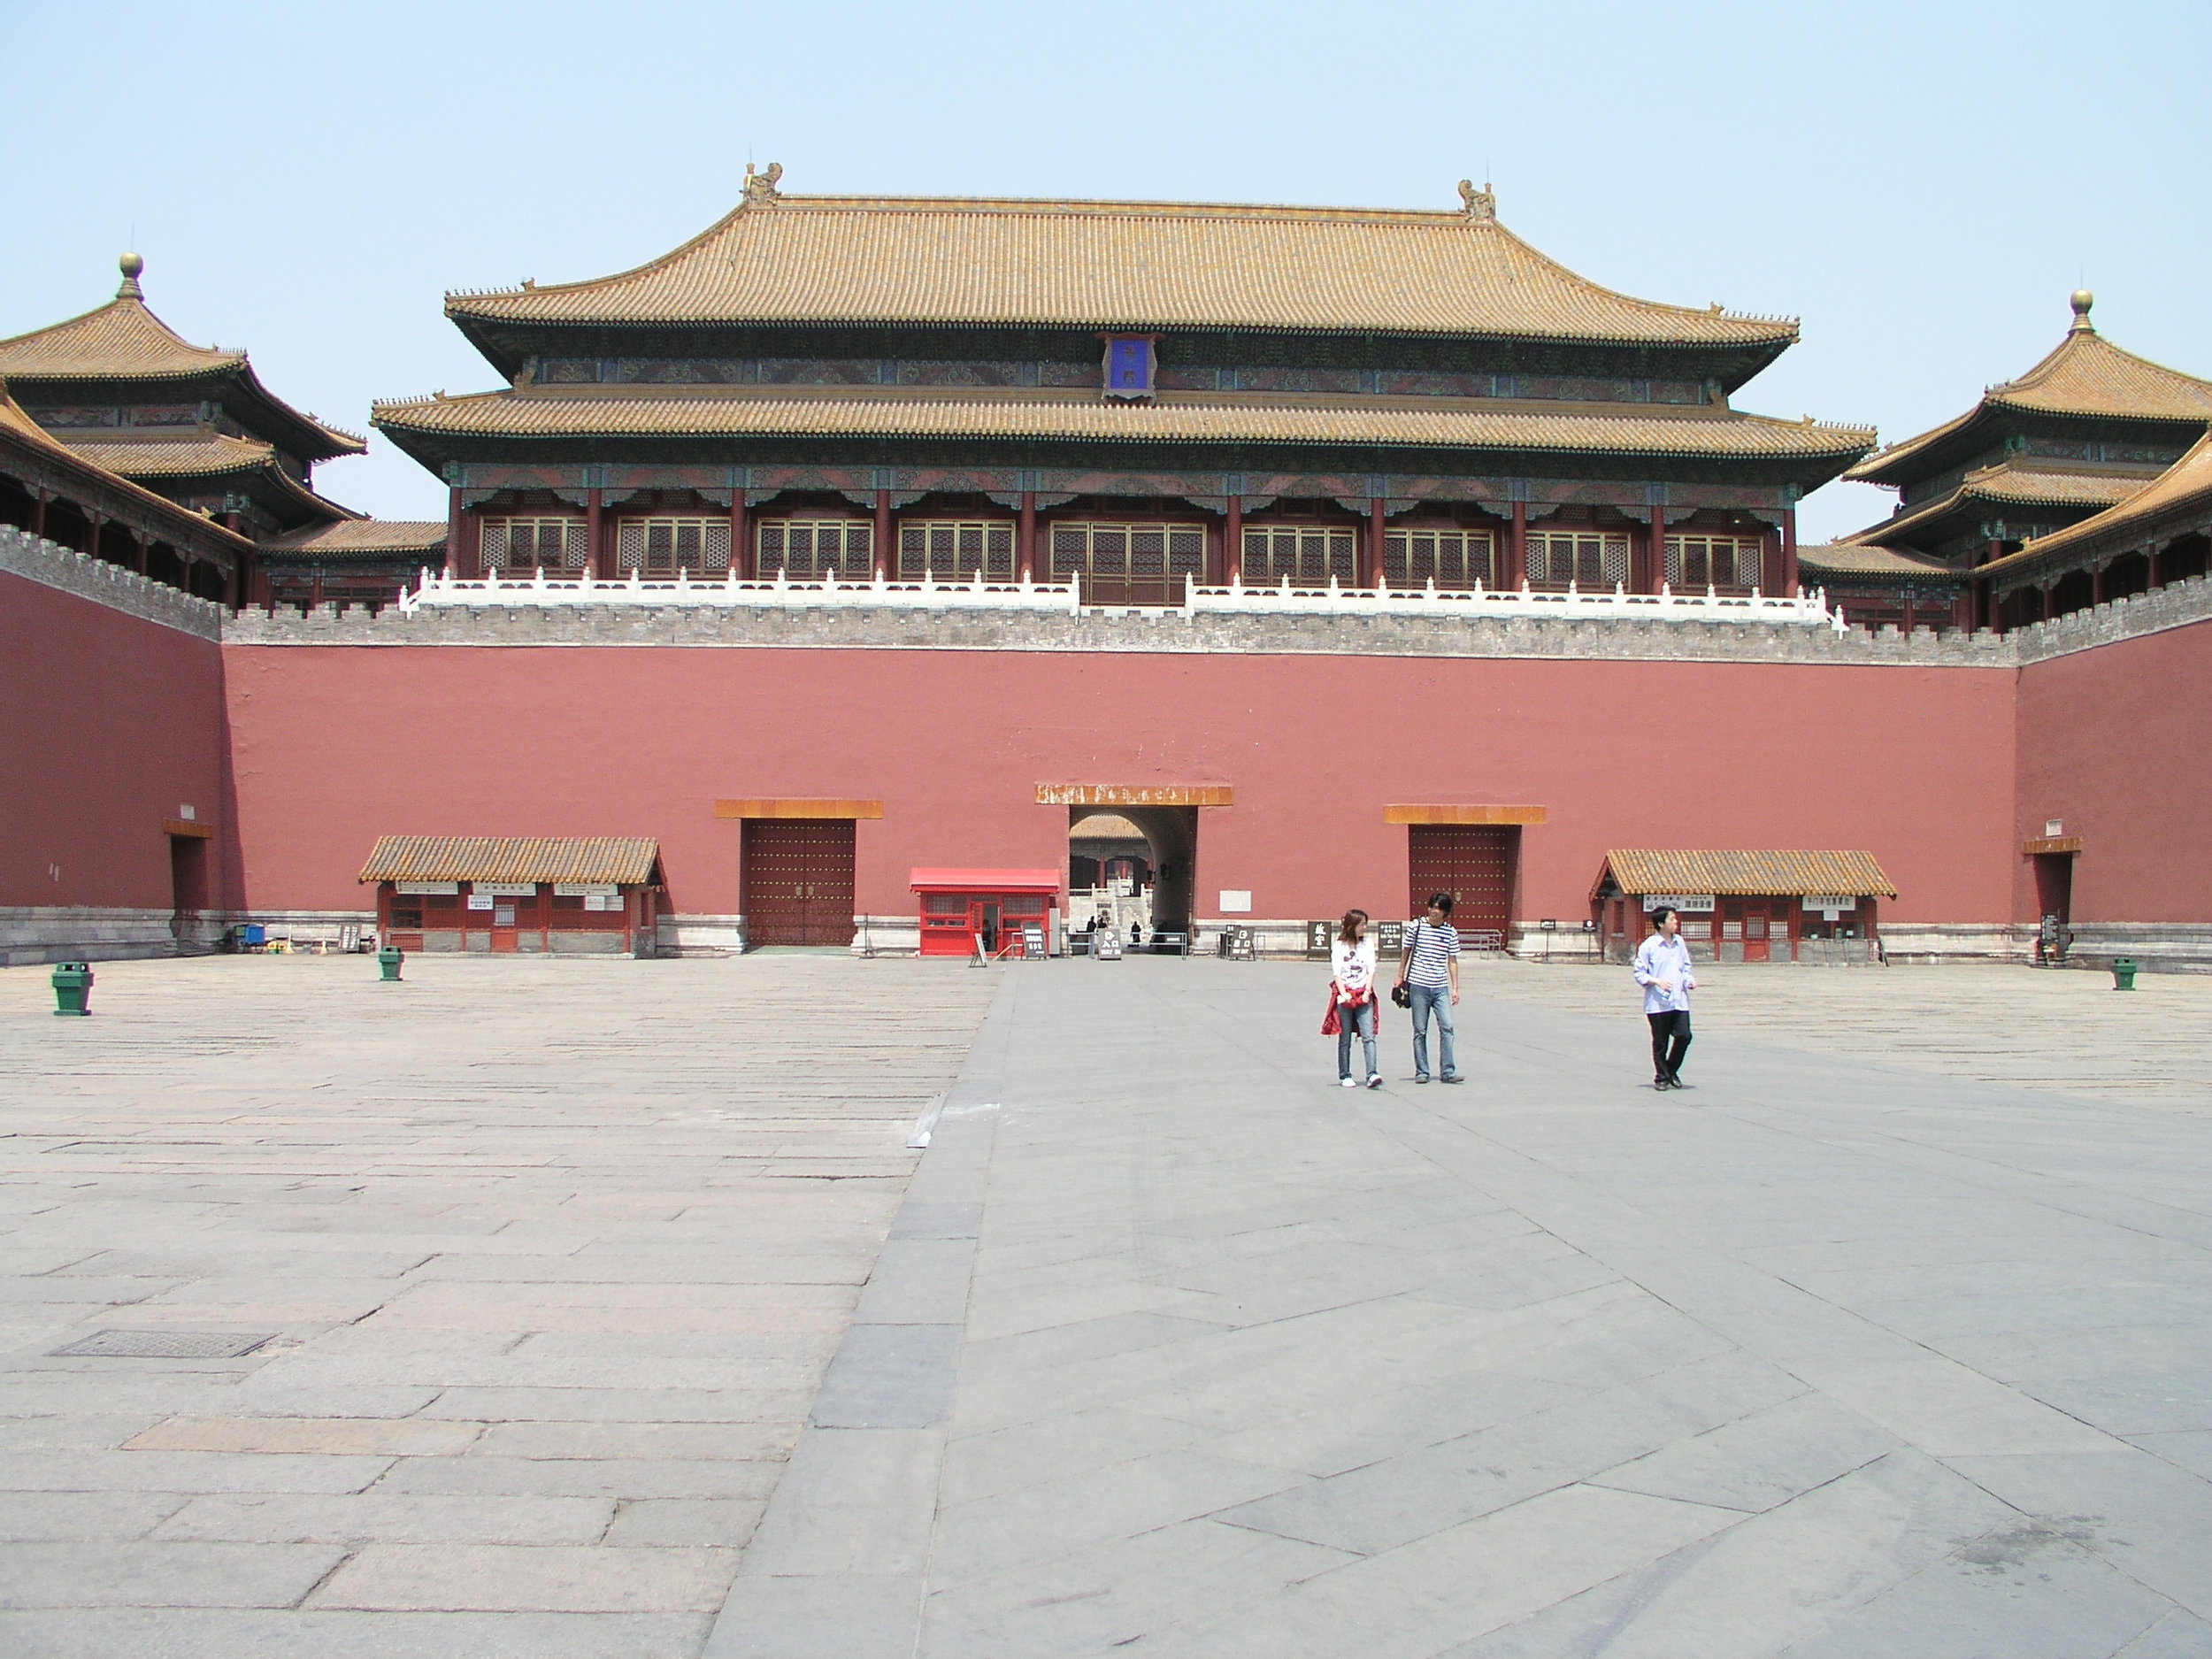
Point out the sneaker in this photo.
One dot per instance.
(1454, 1078)
(1422, 1079)
(1349, 1082)
(1374, 1079)
(1661, 1084)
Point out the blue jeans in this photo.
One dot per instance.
(1435, 999)
(1347, 1020)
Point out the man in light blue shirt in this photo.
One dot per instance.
(1663, 968)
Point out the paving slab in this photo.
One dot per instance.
(1796, 1361)
(552, 1258)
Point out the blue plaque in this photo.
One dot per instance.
(1129, 365)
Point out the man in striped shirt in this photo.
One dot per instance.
(1430, 972)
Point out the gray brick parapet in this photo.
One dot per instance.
(53, 565)
(2176, 606)
(1115, 631)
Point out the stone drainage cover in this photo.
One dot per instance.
(165, 1345)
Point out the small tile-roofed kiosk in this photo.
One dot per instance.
(962, 907)
(1744, 906)
(598, 896)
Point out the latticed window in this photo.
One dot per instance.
(844, 548)
(533, 544)
(1453, 559)
(1147, 556)
(1715, 560)
(1307, 554)
(945, 549)
(1587, 558)
(661, 547)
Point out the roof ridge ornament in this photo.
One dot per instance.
(760, 187)
(1478, 205)
(130, 264)
(2082, 301)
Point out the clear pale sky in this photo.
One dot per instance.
(1922, 185)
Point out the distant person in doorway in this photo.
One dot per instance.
(1429, 970)
(1352, 981)
(1136, 933)
(1663, 968)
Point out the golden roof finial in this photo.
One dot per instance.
(130, 264)
(760, 187)
(2082, 301)
(1478, 204)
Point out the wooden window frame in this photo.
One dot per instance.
(1599, 567)
(1317, 551)
(1193, 558)
(495, 538)
(996, 550)
(1474, 557)
(636, 534)
(772, 539)
(1747, 553)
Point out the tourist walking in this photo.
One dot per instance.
(1663, 968)
(1429, 970)
(1352, 991)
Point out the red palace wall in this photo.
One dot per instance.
(2114, 742)
(336, 745)
(110, 725)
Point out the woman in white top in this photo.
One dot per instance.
(1352, 983)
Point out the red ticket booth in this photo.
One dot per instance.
(960, 907)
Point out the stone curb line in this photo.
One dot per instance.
(839, 1566)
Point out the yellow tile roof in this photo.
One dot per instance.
(361, 537)
(124, 341)
(512, 414)
(2086, 374)
(18, 427)
(622, 860)
(175, 457)
(1134, 264)
(2186, 484)
(1780, 873)
(1865, 558)
(2010, 486)
(120, 341)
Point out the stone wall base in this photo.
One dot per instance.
(33, 933)
(2154, 946)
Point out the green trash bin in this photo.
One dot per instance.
(388, 961)
(73, 987)
(2123, 974)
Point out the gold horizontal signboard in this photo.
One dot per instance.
(2052, 844)
(790, 807)
(1406, 813)
(1135, 794)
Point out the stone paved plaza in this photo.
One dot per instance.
(608, 1315)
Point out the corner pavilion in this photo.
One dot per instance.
(1131, 396)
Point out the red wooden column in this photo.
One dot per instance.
(1654, 569)
(596, 535)
(2150, 555)
(1789, 553)
(38, 511)
(1372, 577)
(883, 533)
(1232, 541)
(99, 521)
(1516, 570)
(1904, 621)
(2096, 585)
(740, 551)
(1025, 537)
(453, 550)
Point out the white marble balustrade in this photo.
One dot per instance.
(436, 588)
